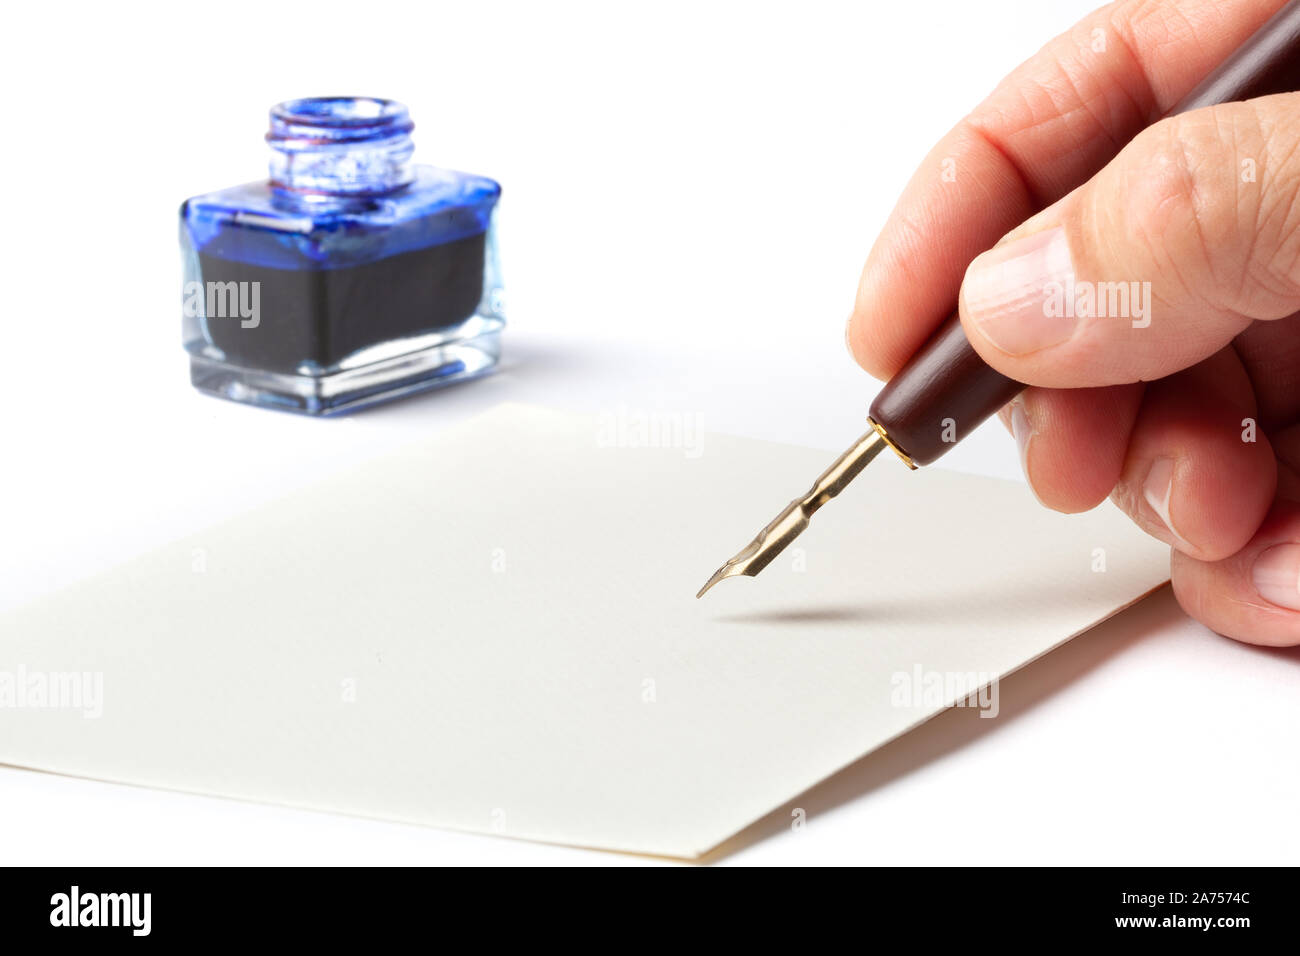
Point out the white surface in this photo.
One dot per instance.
(495, 630)
(690, 192)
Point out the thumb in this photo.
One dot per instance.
(1157, 262)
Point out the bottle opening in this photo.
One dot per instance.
(331, 146)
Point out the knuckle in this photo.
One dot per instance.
(1213, 199)
(1274, 268)
(1179, 200)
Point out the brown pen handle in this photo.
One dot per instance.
(941, 395)
(946, 390)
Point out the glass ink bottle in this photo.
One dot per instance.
(351, 277)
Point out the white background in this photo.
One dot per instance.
(690, 191)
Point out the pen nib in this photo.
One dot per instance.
(759, 553)
(789, 524)
(718, 575)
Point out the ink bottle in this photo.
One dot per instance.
(351, 277)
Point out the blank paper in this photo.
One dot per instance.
(496, 630)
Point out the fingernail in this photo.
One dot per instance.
(1009, 293)
(1158, 490)
(1277, 576)
(1022, 431)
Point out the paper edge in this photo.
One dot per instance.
(405, 447)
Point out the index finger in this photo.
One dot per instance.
(1052, 123)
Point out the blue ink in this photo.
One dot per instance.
(351, 277)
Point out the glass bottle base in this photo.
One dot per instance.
(351, 389)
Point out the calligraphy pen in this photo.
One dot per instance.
(945, 390)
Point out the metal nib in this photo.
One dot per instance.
(789, 524)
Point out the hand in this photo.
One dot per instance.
(1152, 307)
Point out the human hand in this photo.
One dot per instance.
(1173, 385)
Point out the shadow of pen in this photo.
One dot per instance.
(1019, 693)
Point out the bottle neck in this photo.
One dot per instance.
(326, 149)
